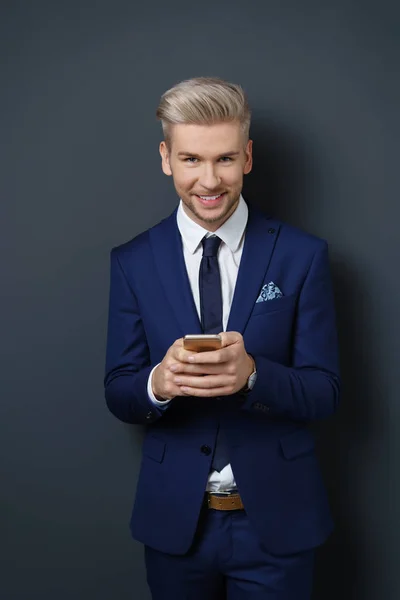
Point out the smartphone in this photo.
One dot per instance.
(202, 343)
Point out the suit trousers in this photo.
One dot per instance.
(227, 562)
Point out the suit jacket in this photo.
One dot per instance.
(293, 341)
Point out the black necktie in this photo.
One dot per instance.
(211, 319)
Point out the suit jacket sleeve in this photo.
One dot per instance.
(309, 388)
(128, 358)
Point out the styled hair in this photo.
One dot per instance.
(203, 101)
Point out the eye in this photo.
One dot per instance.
(225, 159)
(191, 160)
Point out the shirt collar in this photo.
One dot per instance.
(230, 232)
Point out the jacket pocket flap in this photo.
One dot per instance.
(297, 443)
(270, 306)
(154, 448)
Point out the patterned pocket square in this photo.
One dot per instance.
(269, 291)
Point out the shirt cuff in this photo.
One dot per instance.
(153, 399)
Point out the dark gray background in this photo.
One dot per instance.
(80, 83)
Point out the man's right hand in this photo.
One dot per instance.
(163, 384)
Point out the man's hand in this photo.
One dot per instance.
(216, 373)
(163, 384)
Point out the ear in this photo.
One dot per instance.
(165, 158)
(249, 157)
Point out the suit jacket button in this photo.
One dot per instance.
(149, 416)
(272, 230)
(206, 450)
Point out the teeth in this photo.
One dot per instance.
(210, 197)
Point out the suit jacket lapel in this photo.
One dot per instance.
(259, 243)
(166, 244)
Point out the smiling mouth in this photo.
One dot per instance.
(210, 199)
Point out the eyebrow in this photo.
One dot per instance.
(191, 154)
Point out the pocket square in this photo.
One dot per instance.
(269, 291)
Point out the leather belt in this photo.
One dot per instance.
(226, 502)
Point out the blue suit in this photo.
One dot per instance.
(293, 342)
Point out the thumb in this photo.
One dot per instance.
(230, 337)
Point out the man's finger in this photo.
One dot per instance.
(205, 382)
(180, 354)
(215, 357)
(206, 392)
(230, 337)
(205, 369)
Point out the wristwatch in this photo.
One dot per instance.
(251, 380)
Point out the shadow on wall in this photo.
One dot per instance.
(283, 183)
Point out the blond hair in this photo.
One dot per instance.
(203, 101)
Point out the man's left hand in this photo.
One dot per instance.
(217, 373)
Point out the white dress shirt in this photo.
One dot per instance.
(229, 255)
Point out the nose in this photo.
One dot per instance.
(209, 178)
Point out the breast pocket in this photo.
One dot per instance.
(272, 306)
(269, 330)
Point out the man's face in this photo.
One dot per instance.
(207, 163)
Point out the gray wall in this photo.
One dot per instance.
(80, 82)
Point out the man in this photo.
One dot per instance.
(229, 502)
